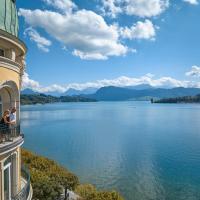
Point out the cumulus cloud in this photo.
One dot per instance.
(141, 8)
(42, 42)
(194, 72)
(66, 6)
(29, 83)
(111, 8)
(123, 81)
(85, 32)
(140, 30)
(193, 2)
(144, 8)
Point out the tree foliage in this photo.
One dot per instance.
(48, 180)
(27, 99)
(186, 99)
(89, 192)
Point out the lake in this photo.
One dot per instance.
(145, 151)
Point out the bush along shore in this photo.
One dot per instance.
(48, 180)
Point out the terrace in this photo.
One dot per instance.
(10, 138)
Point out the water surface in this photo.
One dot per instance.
(145, 151)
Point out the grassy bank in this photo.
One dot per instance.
(48, 180)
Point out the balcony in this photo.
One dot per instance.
(26, 190)
(10, 138)
(9, 63)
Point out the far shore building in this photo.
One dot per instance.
(14, 179)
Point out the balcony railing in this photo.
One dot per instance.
(25, 192)
(8, 134)
(10, 62)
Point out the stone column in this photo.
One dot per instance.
(19, 168)
(15, 174)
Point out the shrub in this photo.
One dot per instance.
(89, 192)
(47, 178)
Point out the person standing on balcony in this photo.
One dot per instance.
(4, 124)
(12, 123)
(13, 117)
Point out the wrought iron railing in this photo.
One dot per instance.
(8, 133)
(25, 191)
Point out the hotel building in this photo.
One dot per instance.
(14, 179)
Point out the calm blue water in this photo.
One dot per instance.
(145, 151)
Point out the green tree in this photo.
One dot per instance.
(48, 179)
(89, 192)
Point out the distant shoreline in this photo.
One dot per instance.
(34, 99)
(179, 100)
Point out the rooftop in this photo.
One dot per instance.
(9, 17)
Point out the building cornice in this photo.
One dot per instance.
(14, 40)
(10, 146)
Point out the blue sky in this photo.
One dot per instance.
(94, 43)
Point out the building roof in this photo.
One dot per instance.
(8, 17)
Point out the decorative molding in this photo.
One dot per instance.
(10, 147)
(14, 40)
(10, 64)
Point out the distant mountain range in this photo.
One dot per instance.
(122, 94)
(139, 92)
(74, 92)
(140, 87)
(28, 92)
(70, 92)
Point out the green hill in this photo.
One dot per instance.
(185, 99)
(28, 99)
(123, 94)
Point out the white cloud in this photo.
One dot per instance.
(89, 56)
(194, 72)
(42, 42)
(146, 8)
(84, 32)
(193, 2)
(66, 6)
(141, 8)
(111, 8)
(29, 83)
(140, 30)
(123, 81)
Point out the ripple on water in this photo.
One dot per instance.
(143, 150)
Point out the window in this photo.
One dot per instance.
(7, 183)
(7, 179)
(2, 53)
